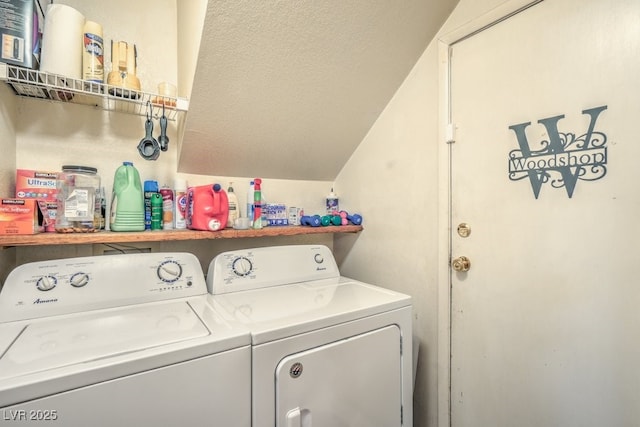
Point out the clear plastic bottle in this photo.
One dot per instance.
(250, 201)
(78, 200)
(234, 207)
(332, 203)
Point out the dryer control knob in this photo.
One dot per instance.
(242, 266)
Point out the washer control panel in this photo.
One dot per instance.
(270, 266)
(71, 285)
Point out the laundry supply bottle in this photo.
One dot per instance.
(168, 202)
(127, 201)
(250, 201)
(150, 188)
(263, 205)
(234, 207)
(257, 204)
(180, 189)
(332, 204)
(156, 211)
(92, 53)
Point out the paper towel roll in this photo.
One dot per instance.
(62, 41)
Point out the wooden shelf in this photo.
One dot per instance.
(165, 235)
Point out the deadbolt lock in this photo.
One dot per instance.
(461, 264)
(464, 230)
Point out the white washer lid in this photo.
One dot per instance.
(59, 353)
(282, 311)
(52, 344)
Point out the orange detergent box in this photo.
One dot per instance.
(22, 216)
(41, 185)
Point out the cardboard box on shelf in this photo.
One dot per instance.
(40, 185)
(22, 216)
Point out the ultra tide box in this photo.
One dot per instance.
(41, 185)
(22, 216)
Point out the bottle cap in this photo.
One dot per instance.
(150, 186)
(180, 184)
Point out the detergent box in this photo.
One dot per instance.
(31, 184)
(277, 214)
(22, 216)
(41, 185)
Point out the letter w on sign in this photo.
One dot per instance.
(562, 159)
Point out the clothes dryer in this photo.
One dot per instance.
(326, 350)
(119, 340)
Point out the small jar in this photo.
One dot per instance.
(78, 201)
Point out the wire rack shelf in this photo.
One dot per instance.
(39, 84)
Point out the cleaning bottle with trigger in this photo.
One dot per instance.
(257, 204)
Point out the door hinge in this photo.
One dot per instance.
(401, 415)
(400, 346)
(450, 134)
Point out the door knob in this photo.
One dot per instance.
(461, 264)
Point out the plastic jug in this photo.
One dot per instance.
(207, 208)
(127, 202)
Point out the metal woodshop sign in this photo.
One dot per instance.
(561, 160)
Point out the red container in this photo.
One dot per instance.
(207, 208)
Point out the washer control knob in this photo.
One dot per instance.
(169, 271)
(318, 258)
(46, 283)
(78, 280)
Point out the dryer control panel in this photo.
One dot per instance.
(64, 286)
(270, 266)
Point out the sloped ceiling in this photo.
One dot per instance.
(288, 89)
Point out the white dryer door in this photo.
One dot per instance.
(355, 382)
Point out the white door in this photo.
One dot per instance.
(546, 175)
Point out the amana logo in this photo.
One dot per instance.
(561, 160)
(45, 301)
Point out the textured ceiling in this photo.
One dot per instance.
(288, 89)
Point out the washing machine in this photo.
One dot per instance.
(119, 340)
(326, 350)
